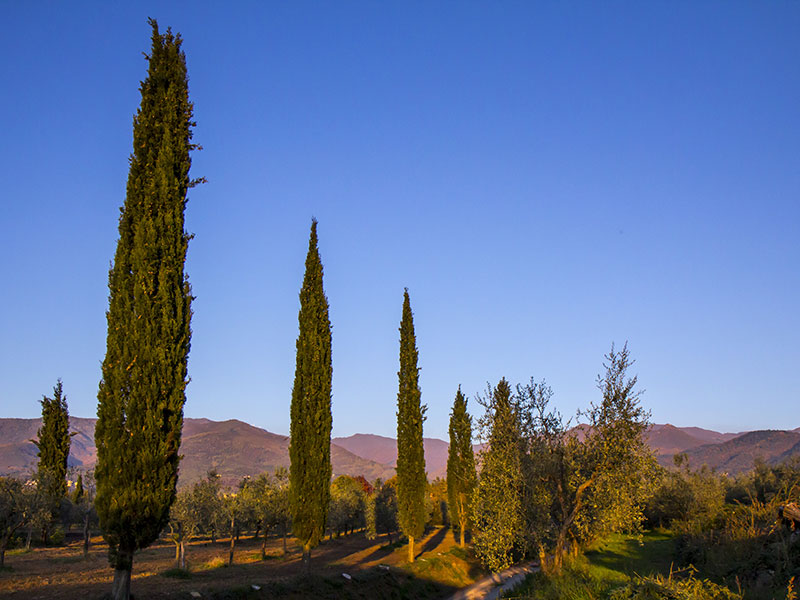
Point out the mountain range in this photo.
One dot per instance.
(236, 449)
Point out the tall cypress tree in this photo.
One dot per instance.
(412, 481)
(53, 443)
(497, 501)
(143, 387)
(461, 475)
(310, 445)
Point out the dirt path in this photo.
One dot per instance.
(490, 588)
(62, 573)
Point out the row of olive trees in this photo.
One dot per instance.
(261, 505)
(545, 487)
(31, 506)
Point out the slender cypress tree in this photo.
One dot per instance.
(412, 481)
(461, 475)
(143, 387)
(497, 501)
(310, 445)
(53, 443)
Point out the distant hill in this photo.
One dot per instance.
(737, 455)
(384, 450)
(236, 449)
(668, 440)
(233, 448)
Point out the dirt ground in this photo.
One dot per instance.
(63, 573)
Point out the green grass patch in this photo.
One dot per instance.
(215, 563)
(177, 573)
(462, 553)
(623, 567)
(651, 553)
(440, 569)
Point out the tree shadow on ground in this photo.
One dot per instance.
(433, 541)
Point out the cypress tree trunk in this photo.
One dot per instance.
(144, 373)
(123, 564)
(411, 478)
(233, 540)
(311, 420)
(86, 535)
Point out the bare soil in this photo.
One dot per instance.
(376, 569)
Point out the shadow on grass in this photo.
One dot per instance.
(652, 555)
(371, 583)
(433, 541)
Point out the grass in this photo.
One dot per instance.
(215, 563)
(628, 555)
(177, 573)
(622, 567)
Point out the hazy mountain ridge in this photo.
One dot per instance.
(737, 455)
(233, 448)
(384, 450)
(236, 449)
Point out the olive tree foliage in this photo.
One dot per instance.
(347, 507)
(622, 460)
(268, 498)
(207, 504)
(184, 520)
(587, 481)
(14, 511)
(233, 508)
(386, 507)
(370, 511)
(689, 501)
(82, 507)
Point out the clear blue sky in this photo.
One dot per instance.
(544, 177)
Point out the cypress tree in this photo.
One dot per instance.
(461, 475)
(144, 373)
(53, 443)
(412, 481)
(80, 493)
(311, 420)
(497, 501)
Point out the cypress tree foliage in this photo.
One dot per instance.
(412, 482)
(461, 475)
(497, 501)
(80, 493)
(311, 421)
(144, 373)
(53, 443)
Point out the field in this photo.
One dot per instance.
(376, 568)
